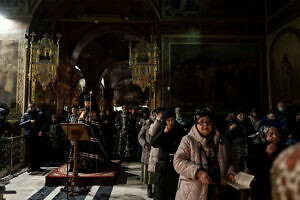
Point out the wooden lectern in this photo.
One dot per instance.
(76, 132)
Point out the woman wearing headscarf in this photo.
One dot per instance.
(237, 134)
(154, 151)
(285, 179)
(203, 160)
(167, 139)
(144, 139)
(254, 118)
(260, 159)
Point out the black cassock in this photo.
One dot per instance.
(92, 154)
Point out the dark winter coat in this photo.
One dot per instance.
(33, 129)
(57, 135)
(166, 178)
(238, 137)
(109, 131)
(259, 163)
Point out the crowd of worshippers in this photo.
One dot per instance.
(182, 158)
(191, 159)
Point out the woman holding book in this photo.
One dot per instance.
(203, 160)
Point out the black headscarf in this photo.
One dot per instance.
(239, 110)
(168, 113)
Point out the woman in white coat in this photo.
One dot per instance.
(203, 161)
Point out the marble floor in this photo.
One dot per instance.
(32, 187)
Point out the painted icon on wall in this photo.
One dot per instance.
(8, 71)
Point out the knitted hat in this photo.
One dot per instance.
(202, 113)
(239, 110)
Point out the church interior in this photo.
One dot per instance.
(56, 55)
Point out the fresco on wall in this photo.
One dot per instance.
(285, 70)
(222, 75)
(8, 72)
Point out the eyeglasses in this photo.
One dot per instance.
(273, 135)
(204, 123)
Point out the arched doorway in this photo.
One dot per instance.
(104, 65)
(96, 36)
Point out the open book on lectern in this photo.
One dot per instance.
(81, 131)
(242, 181)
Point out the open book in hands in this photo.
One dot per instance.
(242, 181)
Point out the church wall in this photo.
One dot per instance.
(222, 71)
(12, 64)
(284, 54)
(209, 60)
(12, 90)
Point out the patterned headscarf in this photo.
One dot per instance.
(260, 136)
(285, 179)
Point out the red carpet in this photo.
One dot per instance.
(105, 177)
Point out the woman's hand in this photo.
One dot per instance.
(40, 134)
(167, 129)
(231, 177)
(271, 148)
(159, 116)
(232, 127)
(147, 147)
(203, 177)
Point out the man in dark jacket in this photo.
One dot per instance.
(4, 110)
(33, 123)
(167, 139)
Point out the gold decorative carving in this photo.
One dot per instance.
(21, 77)
(144, 62)
(44, 61)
